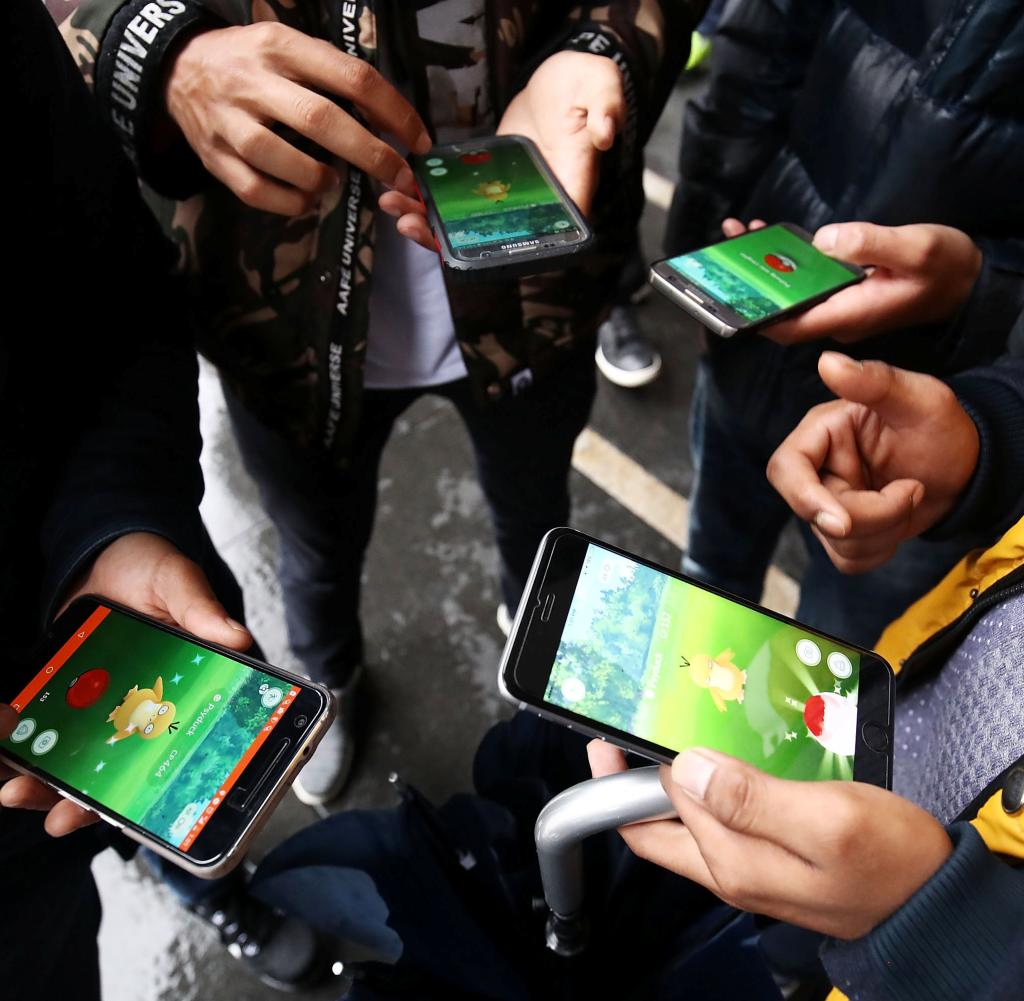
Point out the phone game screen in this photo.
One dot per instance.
(679, 666)
(150, 725)
(762, 273)
(494, 194)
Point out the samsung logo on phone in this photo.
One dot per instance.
(520, 243)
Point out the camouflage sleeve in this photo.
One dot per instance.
(120, 47)
(649, 40)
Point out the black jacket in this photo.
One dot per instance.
(891, 112)
(99, 429)
(98, 436)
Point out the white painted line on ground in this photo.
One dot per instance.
(658, 505)
(658, 189)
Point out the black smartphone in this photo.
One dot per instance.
(622, 649)
(750, 280)
(185, 745)
(495, 207)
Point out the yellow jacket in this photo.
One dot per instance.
(980, 574)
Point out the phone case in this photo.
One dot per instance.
(530, 261)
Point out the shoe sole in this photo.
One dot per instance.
(628, 380)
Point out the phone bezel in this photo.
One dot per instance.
(517, 260)
(718, 316)
(218, 847)
(557, 568)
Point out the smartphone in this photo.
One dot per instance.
(622, 649)
(184, 745)
(752, 279)
(495, 207)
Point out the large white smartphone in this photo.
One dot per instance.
(184, 745)
(620, 648)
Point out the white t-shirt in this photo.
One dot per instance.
(411, 336)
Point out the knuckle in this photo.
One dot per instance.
(378, 158)
(857, 240)
(250, 144)
(357, 75)
(268, 35)
(250, 191)
(312, 113)
(737, 803)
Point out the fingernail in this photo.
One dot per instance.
(693, 771)
(423, 144)
(829, 523)
(237, 626)
(826, 237)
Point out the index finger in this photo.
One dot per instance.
(793, 470)
(318, 62)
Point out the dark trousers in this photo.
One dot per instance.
(324, 516)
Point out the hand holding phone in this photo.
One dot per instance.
(495, 207)
(835, 857)
(185, 745)
(752, 280)
(619, 648)
(571, 108)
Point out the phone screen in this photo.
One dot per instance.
(680, 666)
(493, 195)
(762, 273)
(149, 725)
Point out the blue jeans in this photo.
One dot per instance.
(736, 517)
(324, 515)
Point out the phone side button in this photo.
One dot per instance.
(875, 736)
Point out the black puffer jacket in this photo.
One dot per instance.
(891, 112)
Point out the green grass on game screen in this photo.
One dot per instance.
(679, 666)
(161, 783)
(762, 273)
(494, 194)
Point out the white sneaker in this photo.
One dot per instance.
(325, 774)
(504, 619)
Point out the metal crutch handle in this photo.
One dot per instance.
(574, 815)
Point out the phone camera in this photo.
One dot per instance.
(300, 722)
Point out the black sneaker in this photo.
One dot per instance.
(282, 951)
(624, 355)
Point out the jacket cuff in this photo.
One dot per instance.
(951, 940)
(129, 89)
(597, 40)
(978, 332)
(73, 552)
(994, 400)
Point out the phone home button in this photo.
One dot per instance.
(875, 736)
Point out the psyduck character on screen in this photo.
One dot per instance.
(720, 676)
(142, 711)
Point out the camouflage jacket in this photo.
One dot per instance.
(267, 291)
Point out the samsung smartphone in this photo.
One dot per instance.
(185, 745)
(619, 648)
(495, 207)
(752, 279)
